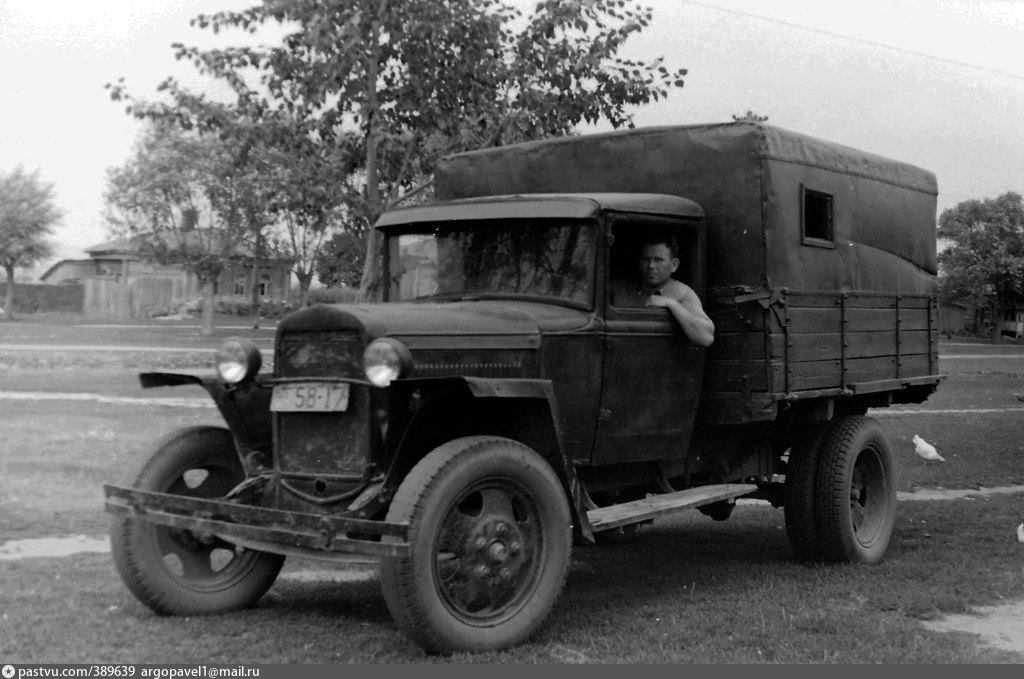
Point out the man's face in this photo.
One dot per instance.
(657, 265)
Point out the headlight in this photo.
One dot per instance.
(238, 360)
(386, 360)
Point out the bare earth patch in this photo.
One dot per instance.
(35, 548)
(112, 400)
(963, 494)
(998, 626)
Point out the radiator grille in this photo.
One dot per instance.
(324, 443)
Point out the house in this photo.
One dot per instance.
(119, 269)
(981, 317)
(1012, 323)
(121, 261)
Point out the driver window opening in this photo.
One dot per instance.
(626, 281)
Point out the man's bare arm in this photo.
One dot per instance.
(690, 315)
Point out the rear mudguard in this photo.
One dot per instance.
(244, 407)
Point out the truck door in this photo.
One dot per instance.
(652, 373)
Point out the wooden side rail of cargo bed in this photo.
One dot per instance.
(785, 346)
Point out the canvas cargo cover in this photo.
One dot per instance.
(749, 178)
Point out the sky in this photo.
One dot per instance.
(938, 84)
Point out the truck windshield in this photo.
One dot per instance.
(552, 259)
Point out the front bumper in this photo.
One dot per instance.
(271, 530)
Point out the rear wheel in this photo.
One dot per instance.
(855, 492)
(491, 537)
(178, 572)
(841, 493)
(800, 511)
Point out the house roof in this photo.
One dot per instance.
(49, 272)
(133, 247)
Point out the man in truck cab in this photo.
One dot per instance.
(658, 260)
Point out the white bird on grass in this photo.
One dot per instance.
(926, 451)
(1020, 533)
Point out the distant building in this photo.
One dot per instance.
(119, 282)
(121, 261)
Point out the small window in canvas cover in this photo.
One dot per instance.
(816, 218)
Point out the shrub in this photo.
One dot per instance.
(276, 308)
(230, 307)
(269, 308)
(337, 295)
(31, 298)
(192, 306)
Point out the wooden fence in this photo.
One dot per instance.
(954, 319)
(137, 298)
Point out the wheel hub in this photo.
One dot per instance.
(491, 565)
(495, 545)
(498, 552)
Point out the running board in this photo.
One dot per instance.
(614, 516)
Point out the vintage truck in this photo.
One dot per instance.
(498, 407)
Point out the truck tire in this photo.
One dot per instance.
(175, 571)
(491, 538)
(855, 492)
(799, 503)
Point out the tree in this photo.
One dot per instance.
(416, 79)
(182, 198)
(341, 260)
(310, 191)
(985, 255)
(28, 214)
(296, 186)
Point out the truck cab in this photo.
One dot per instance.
(554, 258)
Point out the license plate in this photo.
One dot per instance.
(310, 397)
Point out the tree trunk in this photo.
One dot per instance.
(206, 288)
(305, 280)
(369, 284)
(998, 313)
(255, 306)
(9, 301)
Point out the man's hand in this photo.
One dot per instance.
(659, 300)
(690, 315)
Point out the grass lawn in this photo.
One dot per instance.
(688, 590)
(57, 455)
(684, 590)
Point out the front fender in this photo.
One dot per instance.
(244, 407)
(522, 409)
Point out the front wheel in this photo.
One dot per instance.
(178, 572)
(491, 537)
